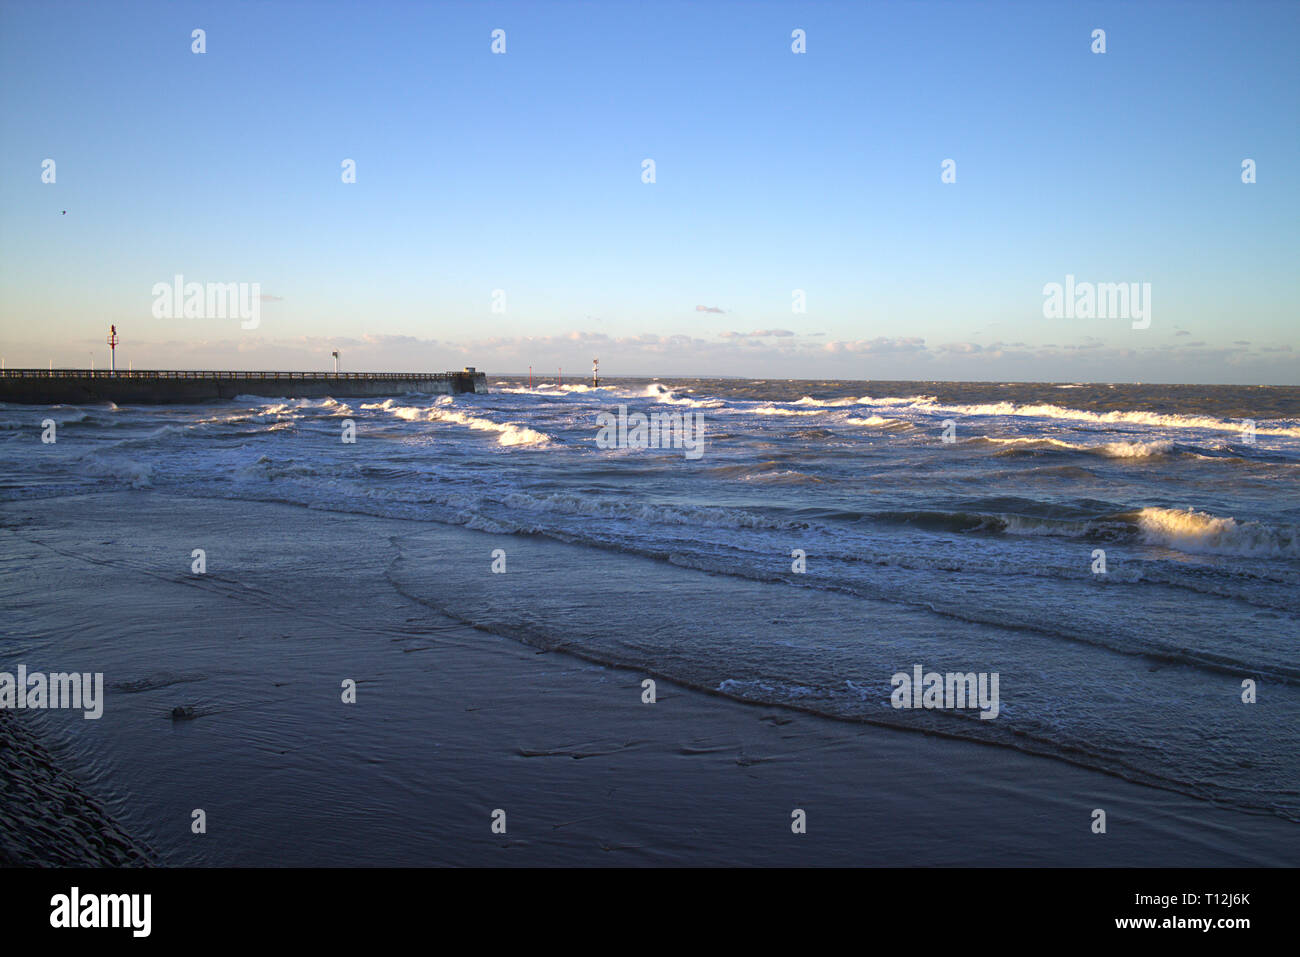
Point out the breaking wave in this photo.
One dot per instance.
(1185, 530)
(508, 433)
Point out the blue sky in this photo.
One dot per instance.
(775, 171)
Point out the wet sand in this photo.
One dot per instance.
(453, 722)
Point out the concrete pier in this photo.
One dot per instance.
(157, 387)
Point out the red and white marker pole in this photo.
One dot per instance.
(112, 350)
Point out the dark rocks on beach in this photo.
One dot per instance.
(46, 819)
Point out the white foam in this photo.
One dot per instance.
(1047, 411)
(661, 393)
(118, 468)
(776, 410)
(1191, 531)
(825, 404)
(1132, 450)
(1110, 450)
(553, 390)
(872, 420)
(508, 433)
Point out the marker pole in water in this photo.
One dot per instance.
(559, 382)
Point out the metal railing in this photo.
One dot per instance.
(169, 374)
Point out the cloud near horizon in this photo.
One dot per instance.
(758, 334)
(761, 354)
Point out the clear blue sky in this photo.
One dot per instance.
(775, 171)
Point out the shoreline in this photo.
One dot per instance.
(453, 722)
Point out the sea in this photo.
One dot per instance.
(1124, 557)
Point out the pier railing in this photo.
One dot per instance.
(170, 374)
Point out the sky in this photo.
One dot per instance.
(500, 215)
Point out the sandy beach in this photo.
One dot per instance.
(453, 722)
